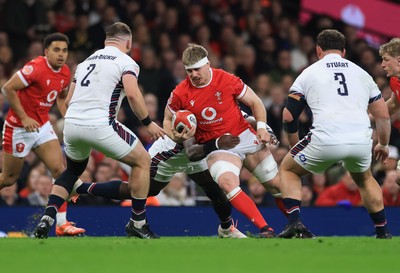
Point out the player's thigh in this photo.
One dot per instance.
(316, 158)
(51, 154)
(358, 159)
(11, 168)
(78, 141)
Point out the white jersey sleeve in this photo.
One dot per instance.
(98, 87)
(338, 93)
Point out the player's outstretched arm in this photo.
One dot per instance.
(10, 91)
(138, 106)
(196, 152)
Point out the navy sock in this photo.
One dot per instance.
(108, 190)
(54, 203)
(292, 207)
(379, 219)
(138, 209)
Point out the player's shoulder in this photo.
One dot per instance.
(182, 87)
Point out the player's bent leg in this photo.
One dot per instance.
(290, 173)
(220, 203)
(51, 154)
(156, 187)
(139, 181)
(11, 169)
(371, 194)
(59, 193)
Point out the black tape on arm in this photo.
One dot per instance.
(295, 105)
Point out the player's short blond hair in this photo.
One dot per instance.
(193, 53)
(392, 48)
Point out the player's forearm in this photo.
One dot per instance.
(383, 129)
(15, 103)
(138, 106)
(61, 106)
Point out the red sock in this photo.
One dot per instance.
(281, 206)
(63, 208)
(243, 203)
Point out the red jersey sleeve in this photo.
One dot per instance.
(175, 101)
(237, 85)
(29, 73)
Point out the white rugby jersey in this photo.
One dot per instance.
(99, 89)
(338, 93)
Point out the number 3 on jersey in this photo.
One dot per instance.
(342, 80)
(85, 81)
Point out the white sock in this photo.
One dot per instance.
(139, 224)
(61, 218)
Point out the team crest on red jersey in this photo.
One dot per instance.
(27, 69)
(20, 147)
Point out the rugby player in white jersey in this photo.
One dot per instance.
(339, 94)
(100, 83)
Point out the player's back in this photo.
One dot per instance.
(99, 90)
(338, 93)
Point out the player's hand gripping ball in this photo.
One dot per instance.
(182, 118)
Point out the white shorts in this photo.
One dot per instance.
(317, 158)
(113, 141)
(169, 158)
(249, 144)
(18, 142)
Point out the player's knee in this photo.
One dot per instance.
(220, 168)
(67, 180)
(267, 170)
(8, 180)
(57, 171)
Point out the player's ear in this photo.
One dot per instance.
(46, 51)
(128, 44)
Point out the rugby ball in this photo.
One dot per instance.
(182, 118)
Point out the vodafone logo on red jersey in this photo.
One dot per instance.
(209, 113)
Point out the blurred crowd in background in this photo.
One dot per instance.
(260, 41)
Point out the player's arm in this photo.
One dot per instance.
(138, 106)
(10, 89)
(294, 106)
(380, 113)
(170, 130)
(196, 152)
(61, 102)
(250, 119)
(393, 104)
(70, 93)
(260, 114)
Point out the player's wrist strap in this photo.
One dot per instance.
(210, 146)
(146, 121)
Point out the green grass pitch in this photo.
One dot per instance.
(199, 254)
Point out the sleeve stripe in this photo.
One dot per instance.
(371, 100)
(129, 72)
(22, 78)
(243, 92)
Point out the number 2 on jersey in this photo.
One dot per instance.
(85, 81)
(342, 80)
